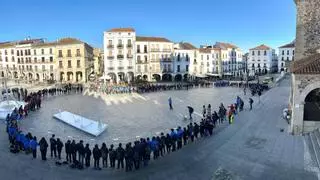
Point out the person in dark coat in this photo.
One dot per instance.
(33, 147)
(112, 156)
(136, 157)
(53, 146)
(73, 150)
(104, 154)
(88, 155)
(96, 156)
(68, 150)
(128, 157)
(120, 156)
(59, 147)
(43, 148)
(196, 130)
(168, 143)
(80, 149)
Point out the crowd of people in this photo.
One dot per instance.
(127, 156)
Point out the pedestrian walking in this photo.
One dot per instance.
(250, 103)
(33, 147)
(170, 103)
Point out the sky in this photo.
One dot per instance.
(245, 23)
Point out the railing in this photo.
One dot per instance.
(120, 68)
(155, 50)
(129, 56)
(110, 68)
(120, 46)
(78, 55)
(166, 60)
(69, 55)
(129, 45)
(110, 57)
(120, 56)
(130, 67)
(110, 46)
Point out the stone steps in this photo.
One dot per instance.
(312, 140)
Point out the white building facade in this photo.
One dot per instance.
(286, 56)
(183, 56)
(262, 59)
(119, 51)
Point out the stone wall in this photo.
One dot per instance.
(308, 28)
(302, 85)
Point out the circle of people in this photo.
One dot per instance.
(135, 154)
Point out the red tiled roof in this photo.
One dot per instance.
(187, 46)
(153, 39)
(290, 45)
(69, 41)
(225, 45)
(6, 44)
(308, 65)
(121, 30)
(205, 50)
(261, 47)
(45, 44)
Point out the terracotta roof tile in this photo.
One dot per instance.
(261, 47)
(65, 41)
(121, 30)
(224, 45)
(7, 44)
(187, 46)
(308, 65)
(152, 39)
(205, 50)
(290, 45)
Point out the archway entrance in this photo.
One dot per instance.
(312, 106)
(113, 77)
(167, 77)
(62, 76)
(178, 77)
(78, 76)
(145, 77)
(70, 76)
(156, 77)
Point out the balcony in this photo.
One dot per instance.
(120, 68)
(130, 67)
(69, 55)
(155, 50)
(166, 60)
(166, 50)
(120, 56)
(110, 68)
(78, 55)
(129, 45)
(167, 71)
(110, 46)
(110, 57)
(129, 56)
(120, 46)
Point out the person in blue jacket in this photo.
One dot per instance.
(33, 146)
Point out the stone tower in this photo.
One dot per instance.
(308, 28)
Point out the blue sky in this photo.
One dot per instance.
(246, 23)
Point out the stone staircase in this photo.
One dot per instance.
(312, 140)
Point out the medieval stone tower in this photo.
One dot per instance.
(308, 28)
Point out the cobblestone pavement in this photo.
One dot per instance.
(252, 148)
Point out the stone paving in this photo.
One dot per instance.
(252, 148)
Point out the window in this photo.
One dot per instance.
(43, 67)
(110, 42)
(282, 52)
(287, 52)
(51, 59)
(25, 52)
(35, 60)
(138, 48)
(187, 68)
(78, 64)
(34, 52)
(178, 68)
(129, 42)
(5, 52)
(69, 64)
(51, 67)
(201, 57)
(78, 52)
(69, 53)
(120, 42)
(12, 59)
(138, 58)
(282, 59)
(50, 50)
(29, 52)
(18, 60)
(21, 52)
(18, 53)
(292, 52)
(145, 59)
(253, 65)
(6, 58)
(207, 57)
(252, 53)
(42, 59)
(145, 49)
(287, 58)
(12, 51)
(265, 53)
(42, 51)
(258, 53)
(60, 53)
(281, 64)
